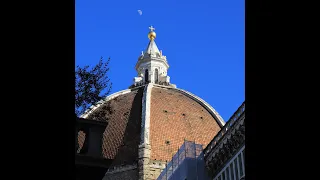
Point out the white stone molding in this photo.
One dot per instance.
(145, 125)
(108, 98)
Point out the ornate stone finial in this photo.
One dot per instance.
(152, 34)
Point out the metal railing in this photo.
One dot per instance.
(187, 162)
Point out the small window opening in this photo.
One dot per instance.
(146, 76)
(156, 78)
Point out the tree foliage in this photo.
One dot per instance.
(92, 85)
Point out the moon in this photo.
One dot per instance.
(140, 12)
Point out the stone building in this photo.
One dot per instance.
(89, 162)
(225, 154)
(148, 122)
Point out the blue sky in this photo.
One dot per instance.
(203, 41)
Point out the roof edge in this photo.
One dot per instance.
(203, 103)
(108, 98)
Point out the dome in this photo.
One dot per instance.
(161, 115)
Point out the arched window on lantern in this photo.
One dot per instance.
(156, 76)
(146, 76)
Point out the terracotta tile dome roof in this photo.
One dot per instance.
(174, 116)
(122, 135)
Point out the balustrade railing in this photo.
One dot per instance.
(225, 128)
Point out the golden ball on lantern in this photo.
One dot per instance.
(152, 35)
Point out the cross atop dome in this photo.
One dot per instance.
(152, 35)
(152, 28)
